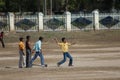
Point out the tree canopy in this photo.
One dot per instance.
(58, 5)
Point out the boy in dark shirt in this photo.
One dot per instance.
(1, 39)
(28, 51)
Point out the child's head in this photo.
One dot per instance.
(63, 39)
(21, 38)
(2, 32)
(27, 37)
(41, 38)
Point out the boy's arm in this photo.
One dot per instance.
(23, 47)
(71, 44)
(33, 50)
(56, 40)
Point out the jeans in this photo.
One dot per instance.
(21, 59)
(28, 58)
(36, 55)
(2, 42)
(65, 55)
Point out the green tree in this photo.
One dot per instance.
(58, 5)
(117, 4)
(2, 5)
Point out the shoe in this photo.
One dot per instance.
(70, 65)
(45, 65)
(24, 65)
(20, 67)
(58, 65)
(31, 65)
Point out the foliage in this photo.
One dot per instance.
(58, 5)
(2, 5)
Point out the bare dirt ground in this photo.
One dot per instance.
(99, 61)
(96, 57)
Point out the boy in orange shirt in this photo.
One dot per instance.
(21, 53)
(64, 46)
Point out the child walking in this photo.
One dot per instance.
(64, 46)
(38, 52)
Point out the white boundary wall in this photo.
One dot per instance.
(40, 19)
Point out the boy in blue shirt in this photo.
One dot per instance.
(38, 52)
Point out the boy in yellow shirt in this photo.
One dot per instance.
(21, 53)
(64, 46)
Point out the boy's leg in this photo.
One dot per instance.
(20, 59)
(71, 59)
(0, 41)
(3, 45)
(64, 59)
(41, 58)
(24, 58)
(28, 58)
(34, 57)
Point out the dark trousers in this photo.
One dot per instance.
(28, 58)
(2, 42)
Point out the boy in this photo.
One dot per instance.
(28, 51)
(38, 52)
(21, 53)
(64, 46)
(1, 39)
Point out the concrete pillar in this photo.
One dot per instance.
(68, 21)
(11, 22)
(96, 19)
(40, 21)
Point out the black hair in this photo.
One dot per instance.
(27, 37)
(21, 38)
(63, 39)
(40, 38)
(2, 32)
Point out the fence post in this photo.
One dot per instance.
(40, 21)
(68, 21)
(96, 20)
(11, 22)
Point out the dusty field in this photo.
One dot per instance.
(92, 61)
